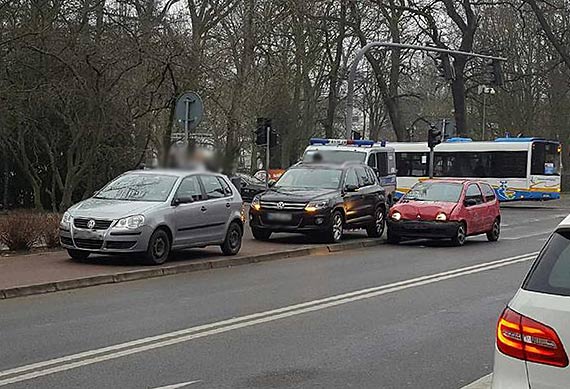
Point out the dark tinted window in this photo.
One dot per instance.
(382, 164)
(545, 159)
(351, 178)
(363, 178)
(474, 193)
(372, 161)
(412, 164)
(190, 188)
(551, 271)
(488, 192)
(213, 188)
(497, 164)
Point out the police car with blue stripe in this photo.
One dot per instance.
(376, 155)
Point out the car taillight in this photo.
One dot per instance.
(523, 338)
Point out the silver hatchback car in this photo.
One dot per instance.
(153, 212)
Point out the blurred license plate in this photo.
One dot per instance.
(279, 217)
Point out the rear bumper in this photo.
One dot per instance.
(423, 229)
(509, 373)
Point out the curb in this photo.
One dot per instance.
(199, 265)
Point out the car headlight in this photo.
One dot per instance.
(130, 223)
(396, 216)
(255, 203)
(314, 206)
(441, 217)
(66, 219)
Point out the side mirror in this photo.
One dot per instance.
(182, 200)
(470, 202)
(351, 188)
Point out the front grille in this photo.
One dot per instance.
(99, 224)
(94, 244)
(66, 241)
(283, 205)
(118, 245)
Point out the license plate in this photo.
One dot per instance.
(87, 235)
(279, 217)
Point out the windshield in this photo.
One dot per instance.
(435, 191)
(138, 187)
(334, 156)
(310, 178)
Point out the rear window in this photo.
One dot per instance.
(551, 271)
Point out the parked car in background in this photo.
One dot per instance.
(249, 186)
(152, 212)
(446, 209)
(321, 199)
(533, 332)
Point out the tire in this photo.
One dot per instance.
(158, 248)
(78, 255)
(260, 234)
(460, 235)
(376, 230)
(232, 243)
(335, 229)
(495, 233)
(393, 238)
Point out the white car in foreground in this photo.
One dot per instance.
(533, 332)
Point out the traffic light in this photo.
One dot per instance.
(495, 73)
(434, 137)
(261, 133)
(444, 68)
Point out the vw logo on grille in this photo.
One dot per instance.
(91, 224)
(280, 205)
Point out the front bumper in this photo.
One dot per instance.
(105, 241)
(423, 229)
(300, 221)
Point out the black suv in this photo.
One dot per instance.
(321, 199)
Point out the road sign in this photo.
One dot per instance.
(189, 112)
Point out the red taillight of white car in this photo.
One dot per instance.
(523, 338)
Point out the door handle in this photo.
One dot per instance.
(203, 209)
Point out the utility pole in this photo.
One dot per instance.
(484, 90)
(268, 146)
(364, 50)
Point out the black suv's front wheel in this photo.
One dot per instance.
(335, 229)
(376, 230)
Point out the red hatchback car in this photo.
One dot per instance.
(446, 209)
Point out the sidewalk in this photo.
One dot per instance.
(50, 271)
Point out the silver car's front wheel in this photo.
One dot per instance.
(158, 248)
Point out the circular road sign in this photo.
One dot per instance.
(189, 108)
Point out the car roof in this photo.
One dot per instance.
(324, 165)
(454, 180)
(170, 172)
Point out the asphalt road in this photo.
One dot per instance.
(383, 317)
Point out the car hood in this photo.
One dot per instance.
(297, 195)
(426, 210)
(111, 209)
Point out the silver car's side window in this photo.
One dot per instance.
(212, 187)
(190, 187)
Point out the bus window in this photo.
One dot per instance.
(491, 164)
(545, 159)
(412, 164)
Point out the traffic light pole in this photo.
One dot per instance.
(364, 50)
(431, 162)
(268, 129)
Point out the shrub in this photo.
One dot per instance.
(50, 229)
(20, 230)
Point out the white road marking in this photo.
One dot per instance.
(482, 383)
(28, 372)
(180, 385)
(545, 232)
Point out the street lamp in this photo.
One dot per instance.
(484, 90)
